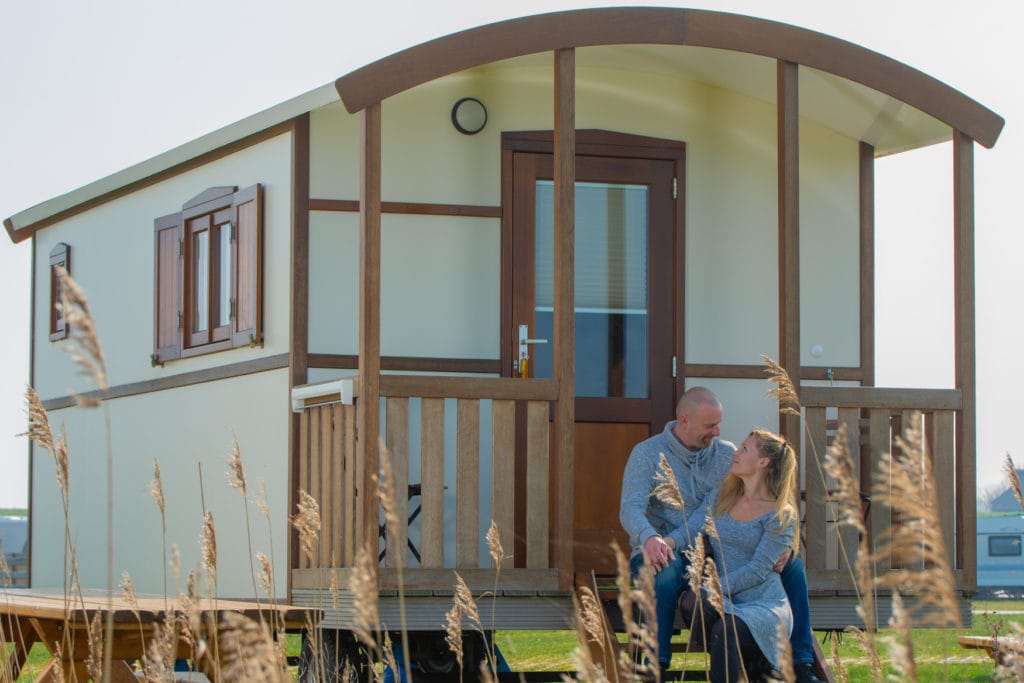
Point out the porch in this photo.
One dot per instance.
(454, 447)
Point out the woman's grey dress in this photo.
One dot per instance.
(744, 558)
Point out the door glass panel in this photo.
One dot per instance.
(610, 287)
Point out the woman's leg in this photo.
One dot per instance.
(730, 644)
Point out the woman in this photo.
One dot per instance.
(756, 518)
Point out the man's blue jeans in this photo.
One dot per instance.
(670, 582)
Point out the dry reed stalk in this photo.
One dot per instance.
(158, 661)
(785, 653)
(901, 643)
(839, 670)
(453, 634)
(247, 651)
(388, 495)
(588, 630)
(363, 585)
(236, 480)
(785, 391)
(85, 343)
(1014, 479)
(636, 632)
(307, 523)
(838, 464)
(1010, 661)
(260, 501)
(156, 491)
(94, 661)
(208, 547)
(667, 489)
(906, 484)
(266, 575)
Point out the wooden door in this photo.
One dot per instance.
(625, 317)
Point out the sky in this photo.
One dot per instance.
(90, 87)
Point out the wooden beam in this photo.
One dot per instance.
(867, 264)
(298, 317)
(964, 354)
(369, 322)
(789, 234)
(564, 322)
(875, 397)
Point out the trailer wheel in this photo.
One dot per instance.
(340, 658)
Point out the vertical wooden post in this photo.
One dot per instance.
(298, 320)
(368, 430)
(966, 423)
(564, 300)
(867, 266)
(789, 236)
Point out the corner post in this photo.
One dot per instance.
(787, 80)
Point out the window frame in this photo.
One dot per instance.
(179, 282)
(60, 256)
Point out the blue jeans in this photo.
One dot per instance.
(794, 580)
(669, 584)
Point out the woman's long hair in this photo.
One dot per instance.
(779, 478)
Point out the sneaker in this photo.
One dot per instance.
(806, 673)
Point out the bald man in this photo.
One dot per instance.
(700, 461)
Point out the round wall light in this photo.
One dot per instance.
(469, 116)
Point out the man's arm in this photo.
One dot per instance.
(637, 483)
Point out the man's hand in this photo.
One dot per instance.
(781, 564)
(658, 553)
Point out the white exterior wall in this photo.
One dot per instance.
(205, 418)
(112, 258)
(731, 216)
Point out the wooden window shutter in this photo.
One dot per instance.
(60, 256)
(167, 288)
(247, 217)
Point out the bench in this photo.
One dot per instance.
(997, 648)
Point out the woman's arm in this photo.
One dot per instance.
(774, 541)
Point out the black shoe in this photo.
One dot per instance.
(806, 673)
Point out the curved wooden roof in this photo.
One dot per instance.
(667, 26)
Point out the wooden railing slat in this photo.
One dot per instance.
(305, 458)
(881, 397)
(326, 467)
(503, 432)
(351, 474)
(432, 480)
(816, 500)
(537, 484)
(880, 514)
(313, 486)
(943, 469)
(428, 386)
(397, 530)
(849, 539)
(467, 484)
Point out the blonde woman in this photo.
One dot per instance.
(756, 518)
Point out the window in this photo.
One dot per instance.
(1004, 546)
(60, 256)
(208, 290)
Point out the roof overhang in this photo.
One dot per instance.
(665, 26)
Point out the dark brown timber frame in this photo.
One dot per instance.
(789, 233)
(665, 26)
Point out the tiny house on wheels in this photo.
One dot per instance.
(502, 254)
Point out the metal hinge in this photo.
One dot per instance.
(675, 188)
(181, 248)
(180, 321)
(231, 310)
(673, 366)
(231, 227)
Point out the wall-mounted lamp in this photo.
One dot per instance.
(469, 116)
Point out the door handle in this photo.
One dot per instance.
(523, 357)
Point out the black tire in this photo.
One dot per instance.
(340, 659)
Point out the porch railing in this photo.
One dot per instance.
(434, 428)
(874, 418)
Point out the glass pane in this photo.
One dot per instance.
(201, 270)
(610, 287)
(224, 309)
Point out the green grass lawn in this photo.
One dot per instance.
(937, 653)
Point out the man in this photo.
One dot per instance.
(699, 461)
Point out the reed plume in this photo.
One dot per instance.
(667, 489)
(785, 653)
(156, 491)
(248, 651)
(784, 392)
(1014, 479)
(85, 347)
(208, 547)
(307, 523)
(906, 483)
